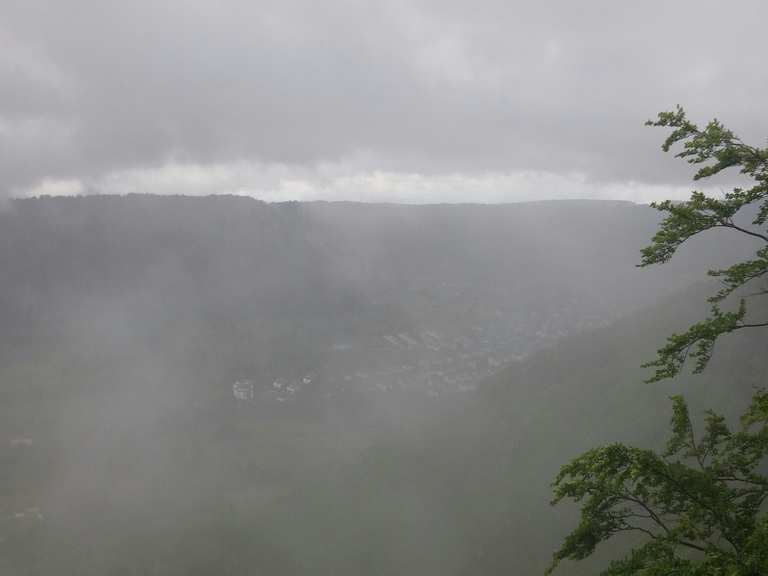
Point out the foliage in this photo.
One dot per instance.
(713, 148)
(698, 503)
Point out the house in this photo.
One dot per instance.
(244, 390)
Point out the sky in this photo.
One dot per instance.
(392, 100)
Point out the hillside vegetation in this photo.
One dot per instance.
(219, 385)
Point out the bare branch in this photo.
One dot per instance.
(730, 224)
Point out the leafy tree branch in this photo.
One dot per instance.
(692, 496)
(712, 149)
(701, 502)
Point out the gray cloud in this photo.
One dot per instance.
(92, 91)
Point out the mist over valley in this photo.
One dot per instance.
(314, 387)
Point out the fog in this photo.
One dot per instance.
(198, 385)
(336, 288)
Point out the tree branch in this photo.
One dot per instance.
(652, 515)
(690, 545)
(758, 325)
(730, 224)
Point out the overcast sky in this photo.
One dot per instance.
(399, 100)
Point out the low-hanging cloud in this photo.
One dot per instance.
(338, 182)
(431, 95)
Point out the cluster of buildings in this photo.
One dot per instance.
(279, 390)
(428, 362)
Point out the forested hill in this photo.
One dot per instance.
(256, 290)
(220, 385)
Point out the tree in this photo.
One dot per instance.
(699, 506)
(698, 503)
(715, 148)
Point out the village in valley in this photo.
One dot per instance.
(428, 363)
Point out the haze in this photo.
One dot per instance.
(293, 287)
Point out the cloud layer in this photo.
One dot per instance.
(411, 100)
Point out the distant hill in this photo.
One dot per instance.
(232, 288)
(220, 385)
